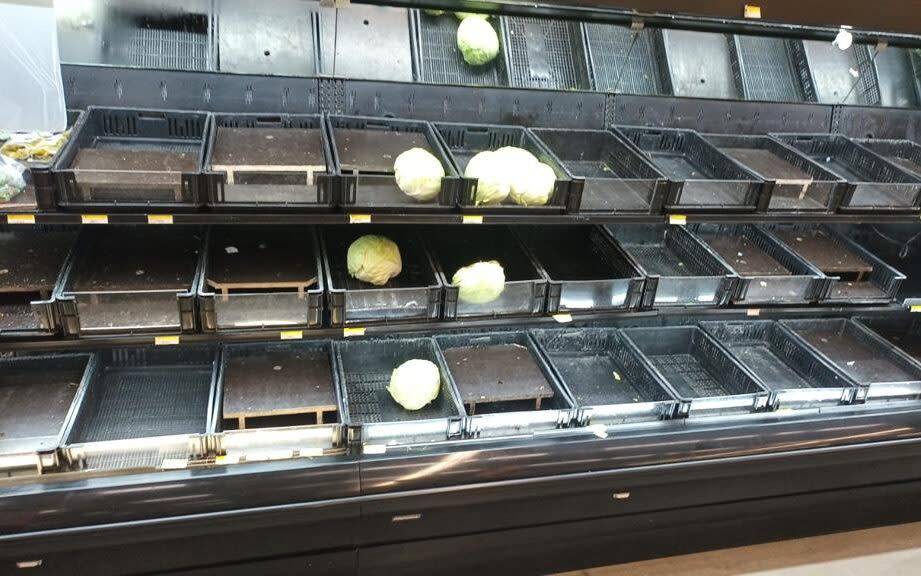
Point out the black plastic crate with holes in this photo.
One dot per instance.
(623, 60)
(896, 245)
(612, 176)
(133, 159)
(698, 370)
(904, 153)
(903, 332)
(765, 68)
(587, 270)
(146, 408)
(40, 192)
(792, 181)
(701, 178)
(414, 295)
(464, 141)
(32, 260)
(607, 379)
(437, 59)
(680, 270)
(452, 248)
(261, 277)
(698, 63)
(364, 150)
(874, 183)
(825, 73)
(258, 161)
(855, 275)
(373, 417)
(544, 53)
(795, 375)
(769, 272)
(505, 385)
(882, 370)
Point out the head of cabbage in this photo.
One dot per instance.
(479, 283)
(534, 186)
(477, 41)
(374, 259)
(415, 383)
(494, 182)
(465, 15)
(418, 174)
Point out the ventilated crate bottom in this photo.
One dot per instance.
(144, 402)
(18, 317)
(623, 60)
(33, 405)
(766, 163)
(443, 63)
(905, 339)
(596, 379)
(544, 53)
(767, 70)
(169, 49)
(744, 256)
(658, 260)
(369, 402)
(374, 151)
(688, 376)
(859, 360)
(497, 374)
(770, 368)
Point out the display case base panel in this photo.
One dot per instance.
(130, 403)
(497, 378)
(278, 388)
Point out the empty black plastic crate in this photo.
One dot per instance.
(769, 272)
(453, 248)
(587, 270)
(261, 277)
(875, 184)
(766, 68)
(364, 150)
(826, 73)
(266, 161)
(624, 60)
(903, 332)
(464, 141)
(414, 295)
(698, 370)
(701, 178)
(795, 375)
(904, 153)
(544, 53)
(133, 159)
(612, 176)
(436, 56)
(792, 181)
(608, 380)
(680, 269)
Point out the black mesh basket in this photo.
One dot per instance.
(623, 60)
(437, 59)
(904, 153)
(544, 53)
(765, 69)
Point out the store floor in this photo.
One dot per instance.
(892, 550)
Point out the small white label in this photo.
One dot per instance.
(406, 518)
(563, 318)
(374, 449)
(29, 563)
(620, 495)
(174, 464)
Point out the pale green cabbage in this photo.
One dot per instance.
(534, 186)
(434, 12)
(374, 259)
(479, 283)
(477, 41)
(493, 180)
(465, 15)
(418, 174)
(415, 383)
(11, 181)
(517, 159)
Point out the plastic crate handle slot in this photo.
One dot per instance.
(269, 120)
(151, 116)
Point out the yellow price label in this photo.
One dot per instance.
(472, 219)
(94, 218)
(752, 11)
(20, 218)
(159, 218)
(753, 312)
(353, 332)
(677, 219)
(291, 334)
(915, 308)
(359, 218)
(563, 318)
(166, 340)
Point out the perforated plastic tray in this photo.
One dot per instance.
(608, 381)
(373, 416)
(700, 177)
(413, 295)
(624, 61)
(131, 279)
(680, 269)
(699, 63)
(899, 246)
(697, 370)
(862, 355)
(142, 407)
(765, 69)
(855, 275)
(133, 159)
(464, 141)
(269, 161)
(792, 181)
(544, 53)
(505, 385)
(612, 176)
(903, 332)
(263, 277)
(364, 150)
(587, 270)
(437, 59)
(904, 153)
(525, 289)
(769, 272)
(875, 183)
(796, 377)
